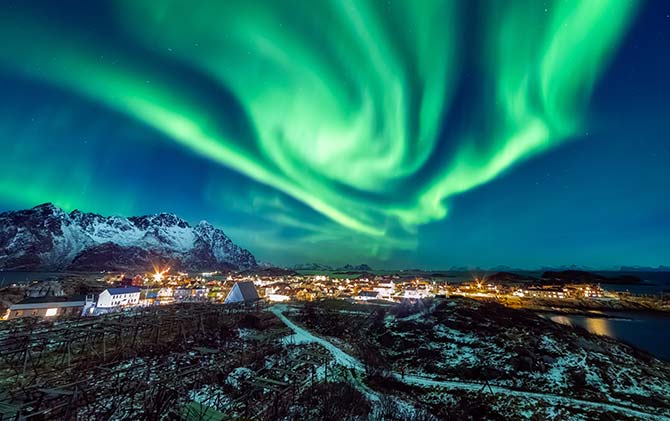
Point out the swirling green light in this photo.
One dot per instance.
(346, 98)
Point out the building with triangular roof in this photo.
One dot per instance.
(242, 292)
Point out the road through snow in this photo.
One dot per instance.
(342, 358)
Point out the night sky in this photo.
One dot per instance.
(402, 134)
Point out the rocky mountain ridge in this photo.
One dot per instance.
(48, 238)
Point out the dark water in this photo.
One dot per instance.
(647, 331)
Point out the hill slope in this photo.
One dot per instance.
(47, 238)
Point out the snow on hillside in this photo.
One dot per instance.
(46, 237)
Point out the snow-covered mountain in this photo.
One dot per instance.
(47, 238)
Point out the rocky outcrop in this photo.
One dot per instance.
(47, 238)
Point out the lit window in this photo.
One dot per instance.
(51, 312)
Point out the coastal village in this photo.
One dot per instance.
(278, 345)
(120, 292)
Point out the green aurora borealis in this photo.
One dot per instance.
(355, 109)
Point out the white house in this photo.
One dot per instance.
(367, 296)
(200, 293)
(119, 297)
(186, 294)
(278, 292)
(165, 294)
(416, 293)
(385, 290)
(278, 298)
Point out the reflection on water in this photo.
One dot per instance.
(598, 325)
(647, 331)
(561, 319)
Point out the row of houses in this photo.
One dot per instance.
(307, 288)
(561, 291)
(115, 299)
(390, 292)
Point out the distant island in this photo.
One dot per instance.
(324, 267)
(563, 277)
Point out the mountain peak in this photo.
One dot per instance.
(47, 205)
(47, 238)
(49, 209)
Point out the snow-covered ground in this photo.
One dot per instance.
(304, 336)
(555, 375)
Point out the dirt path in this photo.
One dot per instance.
(349, 361)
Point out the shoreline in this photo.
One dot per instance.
(615, 303)
(603, 312)
(600, 314)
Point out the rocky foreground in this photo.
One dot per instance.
(522, 365)
(327, 360)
